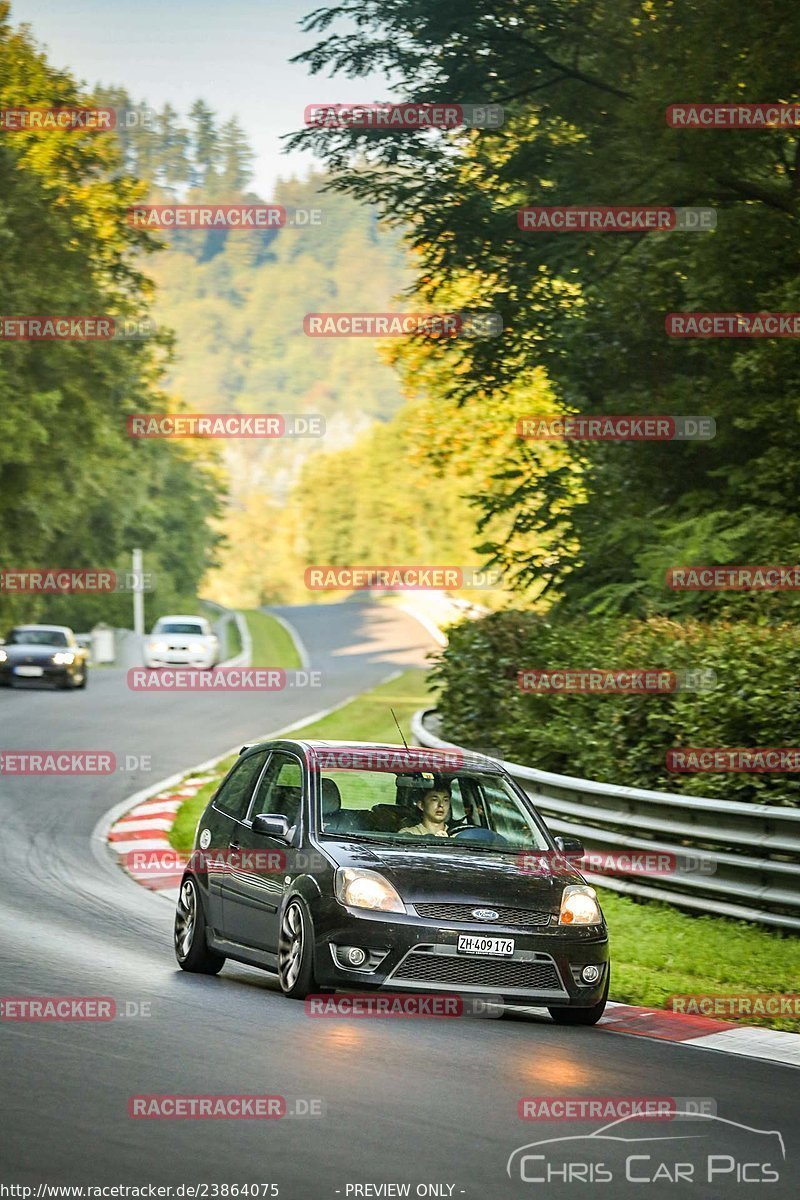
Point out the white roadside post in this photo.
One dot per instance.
(138, 597)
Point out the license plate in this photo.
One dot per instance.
(470, 943)
(29, 672)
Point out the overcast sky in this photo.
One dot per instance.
(233, 53)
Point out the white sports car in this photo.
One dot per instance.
(182, 641)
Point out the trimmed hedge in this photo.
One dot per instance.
(621, 738)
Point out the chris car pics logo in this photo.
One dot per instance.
(694, 1148)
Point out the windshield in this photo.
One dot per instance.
(178, 627)
(428, 810)
(37, 637)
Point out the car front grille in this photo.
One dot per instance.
(471, 971)
(515, 917)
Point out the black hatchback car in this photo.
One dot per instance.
(360, 867)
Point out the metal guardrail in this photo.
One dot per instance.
(747, 855)
(227, 617)
(242, 659)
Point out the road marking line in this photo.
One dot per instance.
(132, 825)
(122, 848)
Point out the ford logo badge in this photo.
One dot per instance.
(485, 914)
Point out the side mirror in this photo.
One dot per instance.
(570, 847)
(272, 825)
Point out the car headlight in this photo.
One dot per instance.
(579, 906)
(358, 888)
(156, 647)
(3, 656)
(63, 658)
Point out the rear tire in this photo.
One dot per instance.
(581, 1016)
(191, 949)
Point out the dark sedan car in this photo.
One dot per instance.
(48, 652)
(381, 867)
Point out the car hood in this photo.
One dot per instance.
(184, 639)
(466, 876)
(35, 654)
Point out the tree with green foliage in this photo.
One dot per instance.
(205, 145)
(75, 490)
(585, 89)
(236, 158)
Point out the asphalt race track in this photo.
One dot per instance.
(427, 1103)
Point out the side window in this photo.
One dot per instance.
(507, 818)
(456, 800)
(474, 805)
(281, 789)
(235, 793)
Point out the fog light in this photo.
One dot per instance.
(355, 956)
(590, 974)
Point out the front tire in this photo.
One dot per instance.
(296, 952)
(191, 949)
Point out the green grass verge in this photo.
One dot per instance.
(368, 718)
(656, 950)
(234, 640)
(273, 646)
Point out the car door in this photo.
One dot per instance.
(253, 893)
(220, 825)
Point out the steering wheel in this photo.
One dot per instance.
(477, 833)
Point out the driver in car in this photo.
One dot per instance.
(435, 808)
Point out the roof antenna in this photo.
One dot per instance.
(399, 730)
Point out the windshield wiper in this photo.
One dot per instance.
(345, 835)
